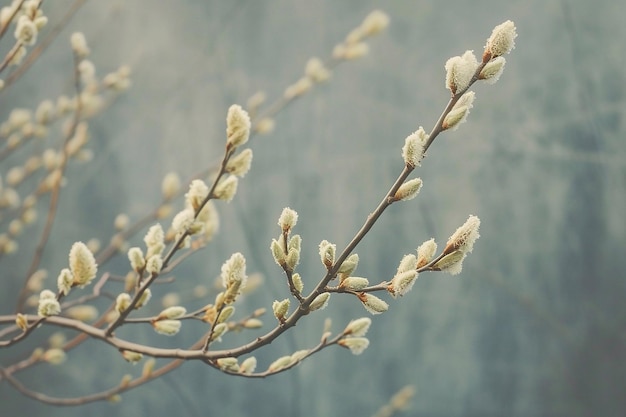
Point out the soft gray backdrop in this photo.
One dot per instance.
(534, 326)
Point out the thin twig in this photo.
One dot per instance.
(10, 20)
(41, 47)
(56, 191)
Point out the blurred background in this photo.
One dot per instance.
(533, 326)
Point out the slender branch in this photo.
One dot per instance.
(56, 191)
(288, 271)
(10, 55)
(22, 335)
(174, 248)
(107, 253)
(10, 19)
(369, 223)
(322, 345)
(453, 100)
(41, 47)
(211, 334)
(103, 395)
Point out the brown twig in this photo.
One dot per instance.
(6, 26)
(103, 395)
(41, 47)
(56, 191)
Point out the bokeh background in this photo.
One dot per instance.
(534, 325)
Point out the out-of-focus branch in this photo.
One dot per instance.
(56, 190)
(31, 58)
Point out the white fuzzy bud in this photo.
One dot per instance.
(218, 331)
(79, 44)
(356, 344)
(183, 221)
(48, 304)
(167, 327)
(154, 240)
(87, 71)
(501, 41)
(26, 31)
(40, 22)
(280, 363)
(228, 364)
(170, 186)
(84, 313)
(372, 303)
(451, 263)
(464, 237)
(148, 367)
(264, 126)
(295, 242)
(351, 51)
(226, 313)
(253, 324)
(145, 297)
(171, 313)
(408, 263)
(227, 188)
(198, 191)
(298, 355)
(292, 259)
(248, 365)
(82, 264)
(349, 265)
(375, 22)
(239, 165)
(459, 71)
(459, 112)
(425, 252)
(171, 299)
(297, 282)
(316, 70)
(54, 356)
(65, 281)
(277, 252)
(297, 89)
(492, 70)
(121, 222)
(15, 176)
(45, 112)
(354, 283)
(154, 264)
(288, 219)
(320, 302)
(413, 149)
(21, 321)
(132, 357)
(234, 270)
(358, 327)
(327, 253)
(402, 283)
(137, 261)
(237, 126)
(408, 190)
(280, 309)
(122, 302)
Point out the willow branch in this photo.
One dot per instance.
(56, 191)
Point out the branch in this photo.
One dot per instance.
(56, 191)
(39, 49)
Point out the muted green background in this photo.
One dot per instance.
(534, 326)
